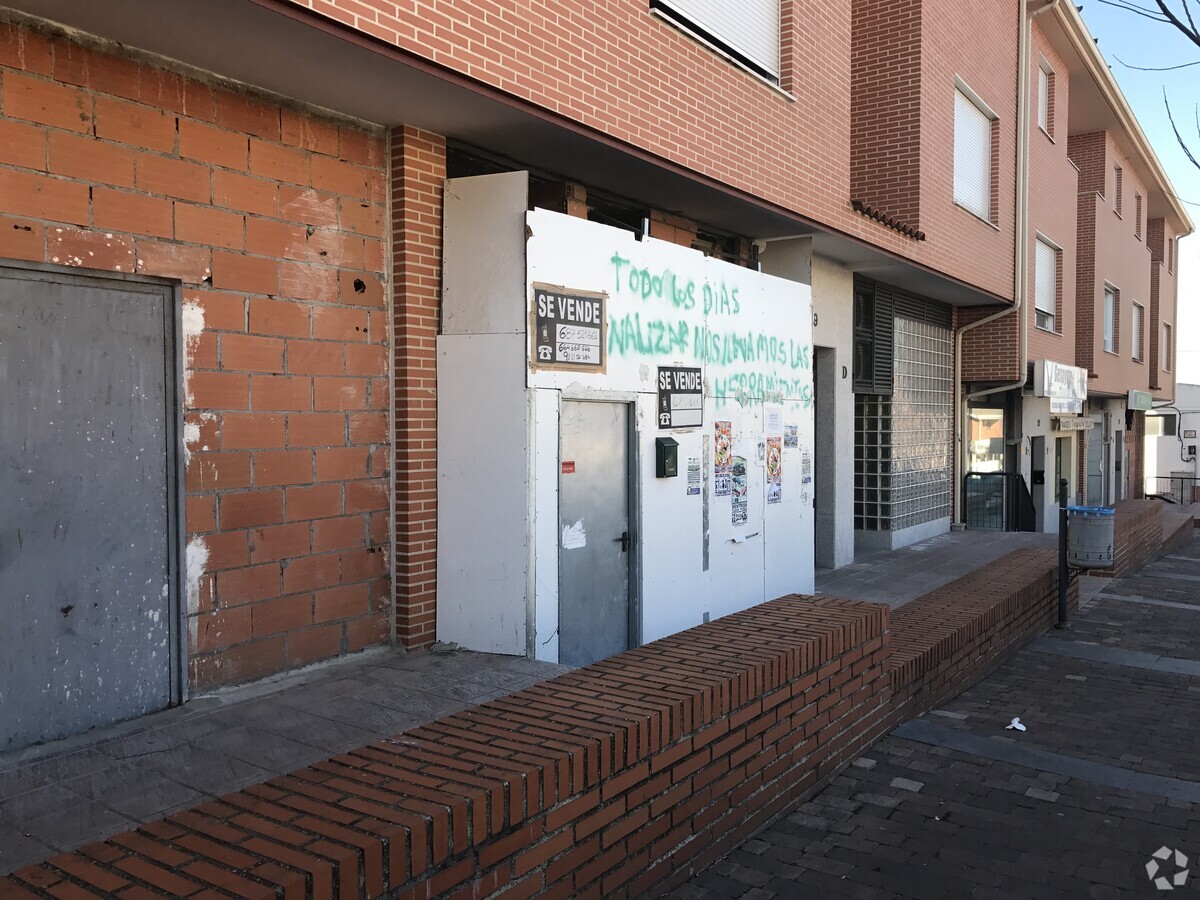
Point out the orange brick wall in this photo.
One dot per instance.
(1109, 250)
(885, 108)
(418, 173)
(615, 68)
(1162, 307)
(1053, 187)
(273, 220)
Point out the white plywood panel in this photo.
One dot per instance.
(545, 523)
(751, 335)
(482, 492)
(483, 251)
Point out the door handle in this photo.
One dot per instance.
(623, 540)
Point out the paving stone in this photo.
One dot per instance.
(982, 827)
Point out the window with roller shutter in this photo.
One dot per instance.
(747, 32)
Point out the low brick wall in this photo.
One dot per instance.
(951, 637)
(1137, 539)
(1178, 528)
(619, 779)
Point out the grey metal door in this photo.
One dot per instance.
(1096, 467)
(594, 552)
(88, 503)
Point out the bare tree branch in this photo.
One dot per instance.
(1195, 62)
(1187, 9)
(1133, 8)
(1190, 33)
(1178, 136)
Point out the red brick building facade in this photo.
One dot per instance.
(283, 163)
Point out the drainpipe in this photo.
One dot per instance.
(1020, 262)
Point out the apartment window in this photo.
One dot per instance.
(1137, 215)
(1168, 347)
(1046, 99)
(1139, 318)
(747, 32)
(1045, 284)
(973, 126)
(1118, 178)
(1110, 319)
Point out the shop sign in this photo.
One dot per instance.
(1139, 401)
(1066, 386)
(1080, 424)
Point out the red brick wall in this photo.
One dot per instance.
(272, 219)
(418, 173)
(1137, 538)
(885, 108)
(616, 68)
(1111, 251)
(947, 639)
(990, 352)
(1053, 187)
(616, 780)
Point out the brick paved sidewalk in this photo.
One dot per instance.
(955, 805)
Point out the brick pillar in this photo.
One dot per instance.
(418, 171)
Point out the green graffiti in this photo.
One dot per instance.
(630, 336)
(761, 384)
(718, 299)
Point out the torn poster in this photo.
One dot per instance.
(741, 500)
(774, 470)
(723, 459)
(693, 476)
(574, 536)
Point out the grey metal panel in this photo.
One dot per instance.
(88, 503)
(593, 499)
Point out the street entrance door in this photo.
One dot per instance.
(594, 616)
(88, 509)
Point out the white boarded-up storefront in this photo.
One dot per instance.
(625, 441)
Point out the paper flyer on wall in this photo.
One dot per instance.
(774, 470)
(693, 476)
(791, 437)
(741, 499)
(723, 459)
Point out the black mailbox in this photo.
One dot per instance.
(666, 457)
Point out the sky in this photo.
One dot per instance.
(1127, 39)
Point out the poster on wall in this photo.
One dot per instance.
(723, 459)
(774, 470)
(680, 397)
(693, 476)
(806, 468)
(569, 328)
(791, 437)
(741, 491)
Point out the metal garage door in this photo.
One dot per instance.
(88, 503)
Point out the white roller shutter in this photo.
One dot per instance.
(1046, 277)
(749, 28)
(972, 156)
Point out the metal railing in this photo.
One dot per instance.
(998, 500)
(1174, 488)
